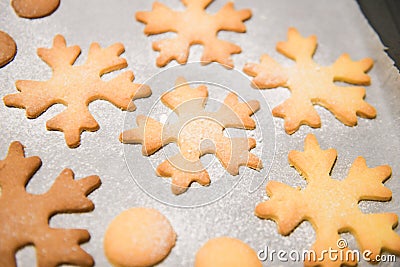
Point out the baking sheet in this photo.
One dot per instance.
(339, 26)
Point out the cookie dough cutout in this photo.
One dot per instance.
(76, 87)
(24, 217)
(331, 206)
(8, 48)
(33, 9)
(194, 26)
(138, 237)
(194, 125)
(226, 252)
(312, 84)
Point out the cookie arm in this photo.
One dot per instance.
(121, 91)
(296, 111)
(327, 238)
(72, 122)
(60, 246)
(70, 195)
(234, 152)
(184, 98)
(268, 74)
(183, 173)
(375, 233)
(16, 170)
(220, 51)
(59, 56)
(304, 162)
(149, 133)
(55, 246)
(297, 47)
(237, 115)
(34, 97)
(170, 49)
(160, 19)
(346, 102)
(347, 70)
(367, 183)
(229, 19)
(104, 60)
(284, 207)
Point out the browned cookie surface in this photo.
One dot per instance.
(8, 48)
(25, 216)
(34, 8)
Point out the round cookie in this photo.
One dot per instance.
(8, 48)
(226, 252)
(138, 237)
(34, 8)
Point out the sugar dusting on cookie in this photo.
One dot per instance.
(139, 237)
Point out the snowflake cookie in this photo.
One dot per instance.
(312, 84)
(196, 133)
(76, 87)
(25, 217)
(194, 26)
(331, 206)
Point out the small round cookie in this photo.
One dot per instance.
(33, 9)
(138, 237)
(8, 48)
(226, 252)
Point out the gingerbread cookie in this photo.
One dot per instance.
(25, 217)
(138, 237)
(196, 133)
(312, 84)
(32, 9)
(194, 26)
(8, 48)
(331, 206)
(76, 87)
(226, 252)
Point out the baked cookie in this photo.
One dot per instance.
(32, 9)
(138, 237)
(76, 87)
(25, 217)
(312, 84)
(226, 252)
(8, 48)
(331, 206)
(194, 26)
(196, 133)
